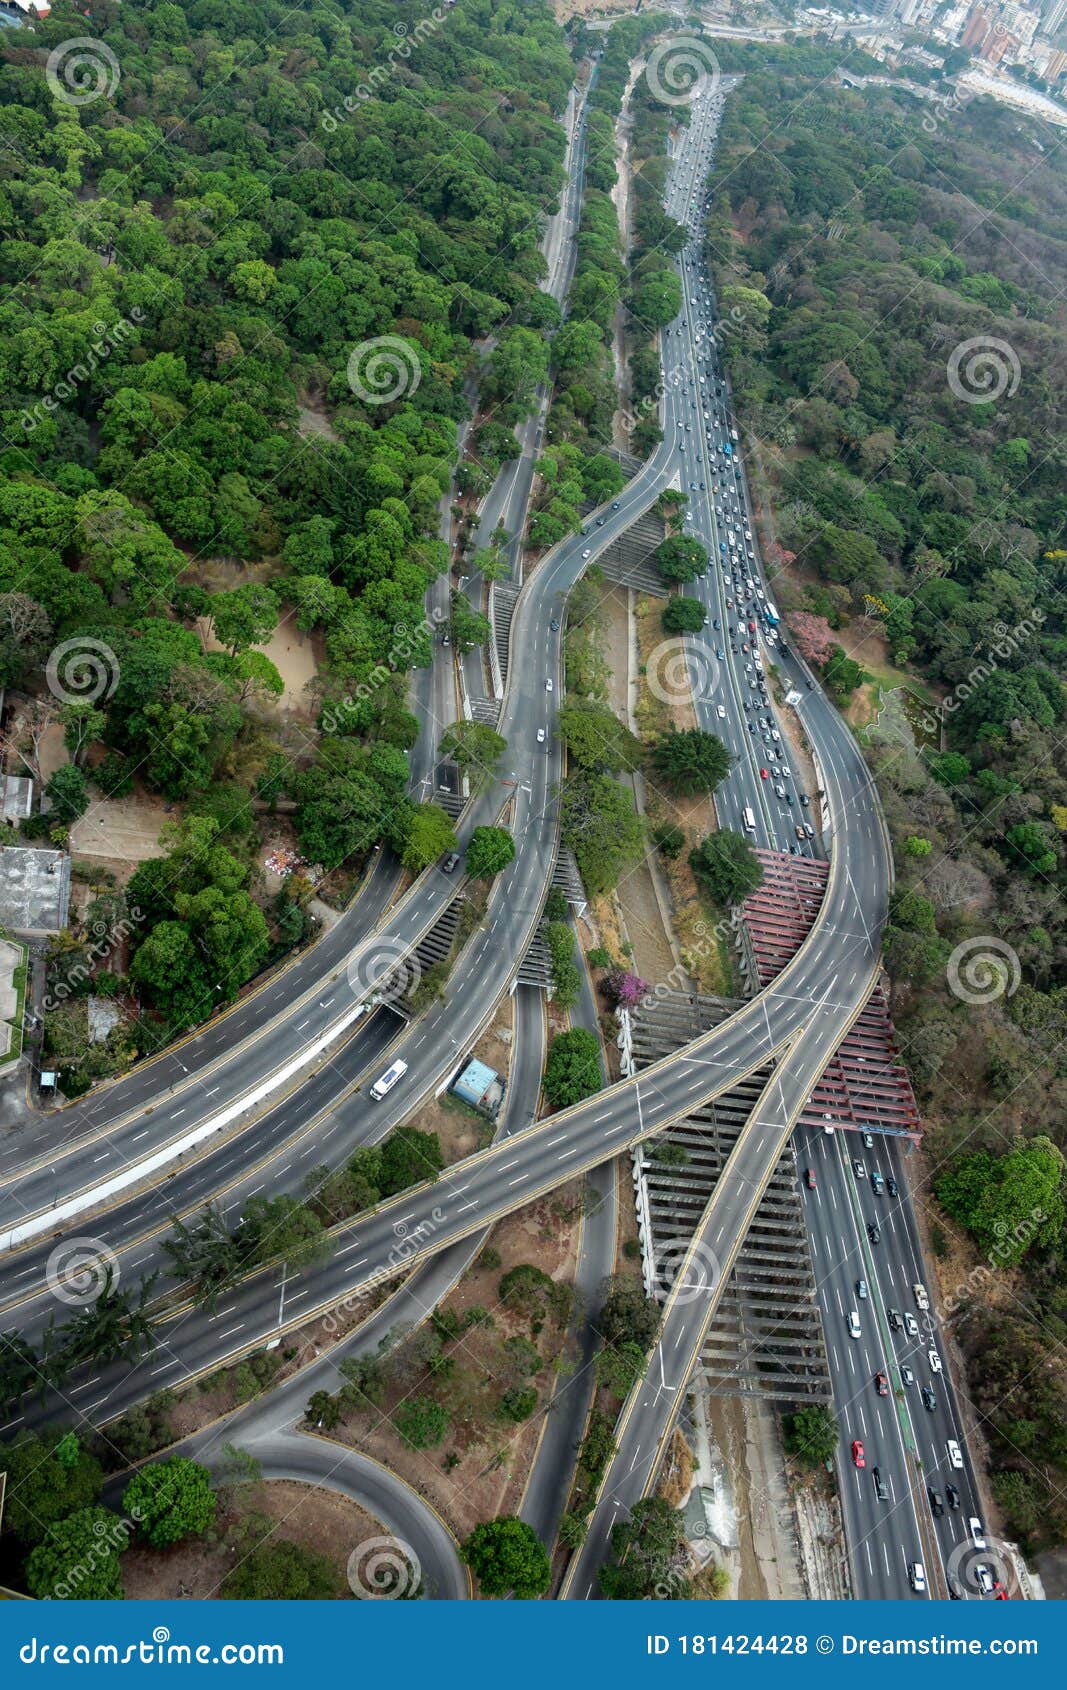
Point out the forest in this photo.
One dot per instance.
(203, 435)
(890, 279)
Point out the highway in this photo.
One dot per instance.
(801, 1016)
(111, 1138)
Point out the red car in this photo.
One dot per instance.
(858, 1457)
(809, 1178)
(881, 1384)
(752, 627)
(763, 775)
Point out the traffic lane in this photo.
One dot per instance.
(908, 1528)
(277, 1151)
(493, 1182)
(932, 1428)
(263, 1009)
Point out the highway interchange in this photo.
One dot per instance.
(801, 1017)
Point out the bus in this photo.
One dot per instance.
(385, 1082)
(771, 614)
(750, 818)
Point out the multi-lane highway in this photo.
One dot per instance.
(801, 1016)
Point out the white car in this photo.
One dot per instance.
(720, 711)
(954, 1453)
(540, 736)
(974, 1526)
(911, 1326)
(935, 1361)
(588, 551)
(548, 684)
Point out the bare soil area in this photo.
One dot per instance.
(122, 831)
(319, 1520)
(481, 1468)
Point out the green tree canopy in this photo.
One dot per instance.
(508, 1559)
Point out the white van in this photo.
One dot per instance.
(853, 1324)
(385, 1082)
(917, 1576)
(955, 1454)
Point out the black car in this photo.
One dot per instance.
(891, 1186)
(881, 1489)
(874, 1232)
(929, 1400)
(616, 506)
(554, 624)
(952, 1496)
(935, 1501)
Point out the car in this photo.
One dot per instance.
(881, 1489)
(450, 863)
(907, 1377)
(548, 684)
(616, 506)
(868, 1140)
(911, 1326)
(896, 1319)
(720, 711)
(540, 736)
(952, 1496)
(715, 622)
(874, 1232)
(935, 1361)
(853, 1324)
(917, 1576)
(929, 1399)
(977, 1531)
(881, 1384)
(809, 1178)
(588, 552)
(553, 623)
(861, 1290)
(719, 652)
(859, 1459)
(891, 1186)
(877, 1182)
(921, 1295)
(804, 799)
(936, 1503)
(984, 1579)
(858, 1168)
(764, 774)
(808, 829)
